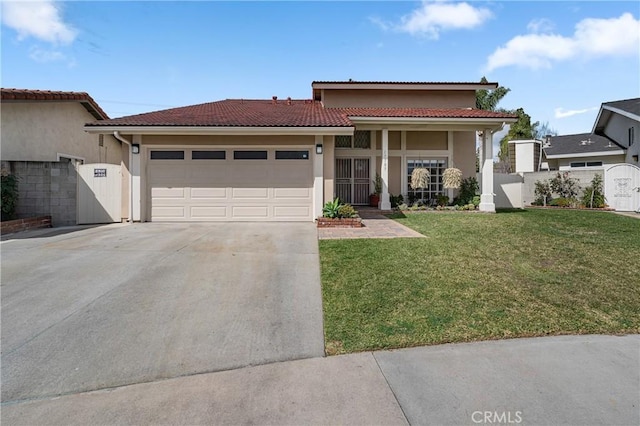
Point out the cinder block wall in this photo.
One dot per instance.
(46, 189)
(529, 187)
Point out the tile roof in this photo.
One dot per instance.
(573, 144)
(628, 105)
(52, 95)
(461, 83)
(283, 113)
(424, 113)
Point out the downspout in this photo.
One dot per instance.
(117, 135)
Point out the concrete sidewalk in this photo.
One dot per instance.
(554, 380)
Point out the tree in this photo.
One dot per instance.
(521, 129)
(545, 130)
(488, 99)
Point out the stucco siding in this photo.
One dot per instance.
(426, 141)
(39, 131)
(395, 174)
(464, 152)
(618, 129)
(228, 140)
(399, 98)
(395, 140)
(328, 167)
(565, 163)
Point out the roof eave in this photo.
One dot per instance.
(220, 130)
(466, 123)
(584, 154)
(403, 86)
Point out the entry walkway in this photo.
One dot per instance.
(376, 225)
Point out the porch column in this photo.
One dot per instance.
(385, 202)
(318, 179)
(486, 199)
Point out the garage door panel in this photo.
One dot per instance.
(294, 211)
(208, 193)
(291, 193)
(254, 212)
(208, 212)
(177, 193)
(236, 190)
(252, 193)
(169, 212)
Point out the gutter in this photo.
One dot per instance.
(117, 135)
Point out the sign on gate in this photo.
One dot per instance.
(622, 187)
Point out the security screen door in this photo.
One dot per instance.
(352, 180)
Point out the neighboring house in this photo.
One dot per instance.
(43, 140)
(282, 159)
(613, 140)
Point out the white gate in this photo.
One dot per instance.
(99, 193)
(622, 187)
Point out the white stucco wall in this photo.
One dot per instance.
(39, 131)
(618, 129)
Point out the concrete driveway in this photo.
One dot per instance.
(123, 304)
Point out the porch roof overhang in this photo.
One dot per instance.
(221, 130)
(430, 123)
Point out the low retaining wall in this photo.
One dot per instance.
(17, 225)
(352, 222)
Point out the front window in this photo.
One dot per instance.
(361, 139)
(436, 167)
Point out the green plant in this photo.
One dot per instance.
(563, 202)
(542, 192)
(403, 206)
(593, 194)
(396, 200)
(476, 200)
(468, 188)
(9, 185)
(442, 200)
(377, 184)
(347, 210)
(564, 185)
(331, 209)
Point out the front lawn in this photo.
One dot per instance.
(478, 276)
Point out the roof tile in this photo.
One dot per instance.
(87, 101)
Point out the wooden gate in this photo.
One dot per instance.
(622, 187)
(99, 193)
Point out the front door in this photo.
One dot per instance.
(352, 180)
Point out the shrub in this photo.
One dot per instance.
(336, 210)
(468, 189)
(331, 209)
(476, 200)
(442, 200)
(542, 192)
(593, 194)
(564, 185)
(347, 210)
(563, 202)
(396, 200)
(403, 206)
(9, 190)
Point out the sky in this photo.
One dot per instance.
(561, 59)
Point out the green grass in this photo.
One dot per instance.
(478, 277)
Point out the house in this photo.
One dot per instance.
(282, 159)
(613, 140)
(43, 140)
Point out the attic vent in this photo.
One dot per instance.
(274, 99)
(289, 100)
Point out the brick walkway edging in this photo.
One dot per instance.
(376, 225)
(17, 225)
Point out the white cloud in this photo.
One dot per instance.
(39, 19)
(592, 37)
(433, 17)
(542, 25)
(562, 113)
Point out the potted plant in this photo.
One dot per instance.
(374, 198)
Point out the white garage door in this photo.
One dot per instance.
(209, 184)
